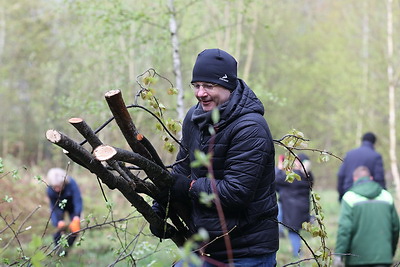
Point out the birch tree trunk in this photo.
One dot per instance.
(250, 46)
(2, 31)
(365, 66)
(392, 111)
(239, 29)
(176, 59)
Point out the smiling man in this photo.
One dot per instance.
(214, 78)
(242, 165)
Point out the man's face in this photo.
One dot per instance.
(57, 188)
(210, 95)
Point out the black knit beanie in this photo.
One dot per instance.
(216, 66)
(369, 137)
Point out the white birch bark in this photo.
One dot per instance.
(250, 46)
(365, 66)
(392, 111)
(2, 31)
(176, 60)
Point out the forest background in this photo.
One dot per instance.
(322, 67)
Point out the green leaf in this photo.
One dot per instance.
(109, 205)
(6, 261)
(206, 199)
(15, 175)
(291, 176)
(202, 159)
(172, 91)
(35, 242)
(8, 199)
(62, 204)
(215, 116)
(39, 256)
(316, 196)
(211, 130)
(149, 80)
(323, 157)
(63, 241)
(38, 178)
(173, 125)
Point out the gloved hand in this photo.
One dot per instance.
(160, 233)
(61, 225)
(75, 225)
(180, 188)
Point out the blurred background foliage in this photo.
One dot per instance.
(308, 61)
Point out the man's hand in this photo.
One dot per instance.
(75, 225)
(160, 233)
(180, 189)
(61, 225)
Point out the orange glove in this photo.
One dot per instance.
(61, 225)
(75, 225)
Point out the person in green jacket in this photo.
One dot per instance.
(368, 224)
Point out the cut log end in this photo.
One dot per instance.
(53, 136)
(75, 120)
(112, 93)
(104, 152)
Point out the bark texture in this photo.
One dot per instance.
(116, 167)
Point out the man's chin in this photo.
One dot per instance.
(207, 107)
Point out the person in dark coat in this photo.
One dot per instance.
(242, 157)
(295, 200)
(65, 197)
(365, 155)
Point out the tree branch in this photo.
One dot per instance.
(113, 182)
(128, 128)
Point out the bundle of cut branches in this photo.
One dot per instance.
(113, 166)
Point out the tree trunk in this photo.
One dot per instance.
(176, 60)
(365, 67)
(250, 47)
(2, 32)
(392, 102)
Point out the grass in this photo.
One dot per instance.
(29, 235)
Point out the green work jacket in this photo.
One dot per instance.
(368, 225)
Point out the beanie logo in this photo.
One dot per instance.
(224, 78)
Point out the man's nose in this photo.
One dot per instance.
(201, 92)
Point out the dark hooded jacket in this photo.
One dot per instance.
(365, 155)
(368, 225)
(294, 198)
(243, 166)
